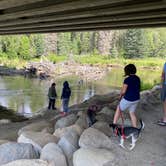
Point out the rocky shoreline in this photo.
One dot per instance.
(45, 70)
(52, 140)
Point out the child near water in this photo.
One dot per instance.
(91, 113)
(52, 95)
(66, 93)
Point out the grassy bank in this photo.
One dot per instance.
(12, 63)
(87, 59)
(105, 60)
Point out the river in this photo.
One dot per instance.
(27, 96)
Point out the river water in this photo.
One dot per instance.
(27, 96)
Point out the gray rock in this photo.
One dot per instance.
(69, 144)
(107, 111)
(66, 121)
(104, 118)
(53, 154)
(60, 132)
(93, 138)
(82, 120)
(93, 157)
(37, 127)
(37, 139)
(27, 163)
(103, 127)
(5, 121)
(13, 151)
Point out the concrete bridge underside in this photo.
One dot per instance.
(42, 16)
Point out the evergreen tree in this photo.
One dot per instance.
(10, 45)
(38, 44)
(155, 42)
(133, 43)
(64, 43)
(24, 51)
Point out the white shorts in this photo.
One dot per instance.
(128, 105)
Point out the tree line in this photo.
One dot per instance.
(130, 43)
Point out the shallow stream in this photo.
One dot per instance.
(27, 96)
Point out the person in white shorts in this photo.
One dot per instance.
(130, 94)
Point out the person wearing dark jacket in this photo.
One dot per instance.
(66, 93)
(52, 95)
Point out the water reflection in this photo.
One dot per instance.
(89, 92)
(26, 96)
(25, 109)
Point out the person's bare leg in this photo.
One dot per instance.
(133, 119)
(164, 105)
(117, 115)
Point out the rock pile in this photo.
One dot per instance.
(70, 142)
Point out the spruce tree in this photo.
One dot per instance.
(133, 43)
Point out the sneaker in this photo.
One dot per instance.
(63, 113)
(161, 123)
(160, 120)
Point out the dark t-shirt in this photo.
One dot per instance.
(133, 89)
(66, 93)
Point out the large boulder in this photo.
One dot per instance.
(13, 151)
(66, 121)
(34, 162)
(94, 157)
(104, 118)
(93, 138)
(5, 121)
(53, 154)
(37, 127)
(103, 127)
(69, 144)
(150, 99)
(109, 112)
(82, 120)
(37, 139)
(60, 132)
(105, 115)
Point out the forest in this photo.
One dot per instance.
(128, 44)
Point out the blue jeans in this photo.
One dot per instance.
(65, 104)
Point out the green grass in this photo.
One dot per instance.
(87, 59)
(146, 86)
(12, 63)
(146, 62)
(55, 58)
(92, 59)
(105, 60)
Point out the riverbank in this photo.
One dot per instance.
(46, 70)
(149, 150)
(86, 67)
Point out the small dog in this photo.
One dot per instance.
(127, 132)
